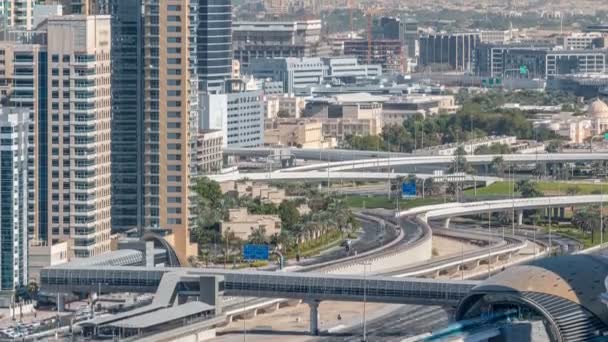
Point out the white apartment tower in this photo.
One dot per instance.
(14, 127)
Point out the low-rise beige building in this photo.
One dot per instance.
(242, 223)
(290, 104)
(209, 156)
(41, 255)
(262, 191)
(304, 133)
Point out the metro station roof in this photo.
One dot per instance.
(162, 316)
(577, 278)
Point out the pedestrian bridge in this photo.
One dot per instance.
(304, 286)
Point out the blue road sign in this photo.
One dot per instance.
(408, 190)
(255, 252)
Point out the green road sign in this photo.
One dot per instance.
(523, 69)
(606, 136)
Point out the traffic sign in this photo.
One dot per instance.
(255, 252)
(523, 69)
(408, 190)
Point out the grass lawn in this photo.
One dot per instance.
(575, 233)
(373, 202)
(549, 188)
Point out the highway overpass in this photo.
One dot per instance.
(447, 160)
(353, 176)
(448, 210)
(336, 155)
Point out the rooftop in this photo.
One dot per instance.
(162, 316)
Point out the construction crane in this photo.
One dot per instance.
(369, 14)
(351, 9)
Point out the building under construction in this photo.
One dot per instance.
(386, 52)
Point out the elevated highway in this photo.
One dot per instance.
(448, 210)
(366, 159)
(447, 160)
(314, 175)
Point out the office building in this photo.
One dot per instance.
(170, 119)
(411, 37)
(276, 7)
(575, 62)
(14, 131)
(78, 136)
(17, 13)
(293, 72)
(209, 156)
(495, 37)
(388, 53)
(127, 114)
(582, 40)
(511, 61)
(304, 72)
(518, 61)
(454, 51)
(253, 39)
(597, 28)
(238, 112)
(245, 116)
(213, 21)
(86, 7)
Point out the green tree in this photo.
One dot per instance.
(460, 163)
(554, 146)
(397, 138)
(289, 214)
(527, 189)
(498, 166)
(258, 236)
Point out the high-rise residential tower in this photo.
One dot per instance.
(16, 14)
(213, 21)
(78, 136)
(14, 128)
(170, 118)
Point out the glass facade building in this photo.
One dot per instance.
(213, 22)
(127, 114)
(14, 156)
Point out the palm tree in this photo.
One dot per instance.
(258, 235)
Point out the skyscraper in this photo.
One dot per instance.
(213, 21)
(170, 118)
(17, 13)
(78, 121)
(14, 127)
(127, 114)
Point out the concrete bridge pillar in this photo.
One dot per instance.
(271, 308)
(471, 265)
(314, 317)
(520, 217)
(556, 213)
(60, 302)
(446, 223)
